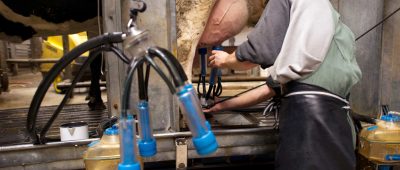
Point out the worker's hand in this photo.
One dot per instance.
(215, 108)
(223, 59)
(220, 59)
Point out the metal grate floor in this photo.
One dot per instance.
(13, 121)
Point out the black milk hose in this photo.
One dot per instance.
(315, 131)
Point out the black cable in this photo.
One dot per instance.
(146, 79)
(127, 86)
(172, 64)
(363, 118)
(57, 68)
(170, 85)
(141, 84)
(79, 75)
(138, 63)
(198, 86)
(390, 15)
(120, 54)
(236, 95)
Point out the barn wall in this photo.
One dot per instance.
(377, 53)
(390, 77)
(360, 15)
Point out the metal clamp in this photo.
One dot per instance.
(181, 153)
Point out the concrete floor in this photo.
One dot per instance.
(23, 86)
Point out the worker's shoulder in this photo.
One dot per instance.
(308, 3)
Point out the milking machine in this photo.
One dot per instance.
(141, 52)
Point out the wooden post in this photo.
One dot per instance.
(115, 69)
(3, 56)
(36, 52)
(12, 54)
(68, 69)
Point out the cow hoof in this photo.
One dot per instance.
(96, 104)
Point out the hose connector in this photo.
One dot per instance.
(203, 138)
(147, 143)
(128, 144)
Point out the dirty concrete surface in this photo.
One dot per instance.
(23, 86)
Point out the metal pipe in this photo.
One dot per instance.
(47, 145)
(79, 84)
(235, 79)
(216, 132)
(23, 60)
(157, 136)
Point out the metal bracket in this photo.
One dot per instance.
(181, 153)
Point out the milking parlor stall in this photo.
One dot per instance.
(133, 84)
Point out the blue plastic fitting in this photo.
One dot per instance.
(390, 118)
(203, 61)
(393, 157)
(113, 130)
(135, 166)
(213, 74)
(205, 144)
(147, 143)
(215, 71)
(127, 145)
(93, 143)
(147, 148)
(218, 47)
(384, 167)
(203, 138)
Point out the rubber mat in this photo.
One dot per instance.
(13, 121)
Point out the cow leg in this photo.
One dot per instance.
(95, 101)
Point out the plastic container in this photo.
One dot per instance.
(137, 42)
(74, 131)
(203, 139)
(381, 143)
(104, 153)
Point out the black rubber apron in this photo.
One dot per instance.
(314, 130)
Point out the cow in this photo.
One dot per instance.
(204, 21)
(210, 22)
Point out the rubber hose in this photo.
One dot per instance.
(141, 84)
(161, 74)
(57, 68)
(68, 93)
(120, 54)
(146, 79)
(172, 64)
(127, 86)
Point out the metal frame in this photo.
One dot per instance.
(249, 141)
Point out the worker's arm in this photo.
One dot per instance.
(223, 59)
(249, 98)
(292, 38)
(307, 41)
